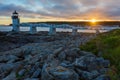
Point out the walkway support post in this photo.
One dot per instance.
(52, 30)
(33, 29)
(74, 31)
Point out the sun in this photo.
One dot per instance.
(93, 20)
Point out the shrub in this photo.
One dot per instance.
(109, 45)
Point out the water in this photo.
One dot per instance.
(5, 28)
(9, 28)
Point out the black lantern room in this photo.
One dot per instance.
(15, 15)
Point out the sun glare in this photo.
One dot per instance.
(93, 21)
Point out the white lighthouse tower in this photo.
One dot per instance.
(15, 22)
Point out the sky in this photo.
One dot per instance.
(59, 10)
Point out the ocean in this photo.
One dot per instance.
(9, 28)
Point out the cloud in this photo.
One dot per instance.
(66, 9)
(6, 10)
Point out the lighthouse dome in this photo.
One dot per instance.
(15, 12)
(15, 15)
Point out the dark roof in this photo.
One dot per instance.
(15, 12)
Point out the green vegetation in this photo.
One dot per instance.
(108, 44)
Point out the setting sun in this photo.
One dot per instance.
(93, 20)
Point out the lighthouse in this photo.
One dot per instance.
(15, 22)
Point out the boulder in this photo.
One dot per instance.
(62, 56)
(80, 62)
(21, 72)
(33, 59)
(61, 73)
(32, 70)
(45, 74)
(57, 51)
(6, 67)
(31, 79)
(104, 70)
(67, 64)
(89, 75)
(11, 76)
(36, 74)
(6, 58)
(103, 63)
(89, 63)
(72, 53)
(28, 57)
(103, 77)
(84, 53)
(58, 73)
(106, 63)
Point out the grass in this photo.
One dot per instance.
(108, 44)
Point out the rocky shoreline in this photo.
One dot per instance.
(9, 40)
(43, 57)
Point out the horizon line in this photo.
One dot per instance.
(68, 21)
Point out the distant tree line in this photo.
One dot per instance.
(82, 23)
